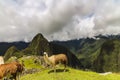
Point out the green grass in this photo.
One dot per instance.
(72, 74)
(29, 62)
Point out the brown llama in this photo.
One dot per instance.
(13, 68)
(56, 59)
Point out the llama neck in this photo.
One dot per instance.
(46, 58)
(46, 55)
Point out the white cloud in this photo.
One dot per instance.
(107, 13)
(58, 19)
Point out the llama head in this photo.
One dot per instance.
(45, 54)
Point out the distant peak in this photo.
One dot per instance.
(37, 39)
(39, 35)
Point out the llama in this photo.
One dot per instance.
(56, 59)
(12, 68)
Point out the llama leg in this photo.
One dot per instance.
(54, 68)
(18, 76)
(15, 76)
(65, 67)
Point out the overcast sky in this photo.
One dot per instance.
(21, 20)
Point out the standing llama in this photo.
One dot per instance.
(56, 59)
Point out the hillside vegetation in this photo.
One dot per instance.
(109, 57)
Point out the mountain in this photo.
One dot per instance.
(5, 45)
(109, 57)
(12, 51)
(77, 46)
(87, 49)
(38, 45)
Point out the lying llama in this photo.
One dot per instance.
(56, 59)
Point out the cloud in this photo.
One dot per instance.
(57, 19)
(75, 30)
(107, 14)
